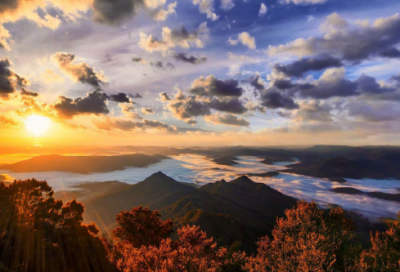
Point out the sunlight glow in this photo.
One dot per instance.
(37, 125)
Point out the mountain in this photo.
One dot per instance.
(379, 195)
(82, 164)
(340, 167)
(237, 211)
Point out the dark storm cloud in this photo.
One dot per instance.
(276, 100)
(352, 43)
(93, 103)
(119, 98)
(80, 71)
(302, 66)
(254, 81)
(333, 84)
(189, 59)
(367, 84)
(211, 86)
(189, 108)
(28, 93)
(9, 80)
(233, 105)
(115, 12)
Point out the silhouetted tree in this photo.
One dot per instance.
(309, 239)
(384, 255)
(38, 233)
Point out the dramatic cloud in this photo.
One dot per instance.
(78, 71)
(172, 38)
(275, 100)
(255, 82)
(206, 7)
(188, 108)
(302, 66)
(227, 119)
(313, 111)
(263, 10)
(9, 81)
(246, 39)
(231, 105)
(190, 59)
(129, 111)
(119, 98)
(93, 103)
(351, 43)
(211, 86)
(375, 111)
(163, 14)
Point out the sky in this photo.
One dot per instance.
(199, 72)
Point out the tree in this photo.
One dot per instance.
(309, 239)
(141, 227)
(193, 252)
(39, 233)
(384, 255)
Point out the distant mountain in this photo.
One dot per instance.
(380, 195)
(340, 167)
(240, 210)
(82, 164)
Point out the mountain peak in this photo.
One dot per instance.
(242, 180)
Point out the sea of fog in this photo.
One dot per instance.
(201, 170)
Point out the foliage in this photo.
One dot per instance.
(384, 255)
(39, 233)
(309, 239)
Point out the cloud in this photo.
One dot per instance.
(227, 119)
(303, 2)
(352, 43)
(129, 111)
(164, 97)
(119, 98)
(255, 82)
(211, 86)
(172, 38)
(313, 111)
(163, 14)
(374, 111)
(160, 65)
(231, 105)
(78, 71)
(263, 10)
(134, 96)
(93, 103)
(206, 7)
(302, 66)
(4, 36)
(9, 81)
(274, 100)
(127, 125)
(227, 4)
(28, 93)
(147, 111)
(189, 59)
(188, 108)
(244, 38)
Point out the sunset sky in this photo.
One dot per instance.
(199, 72)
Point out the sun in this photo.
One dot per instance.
(37, 125)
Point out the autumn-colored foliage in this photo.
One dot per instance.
(384, 255)
(309, 239)
(39, 233)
